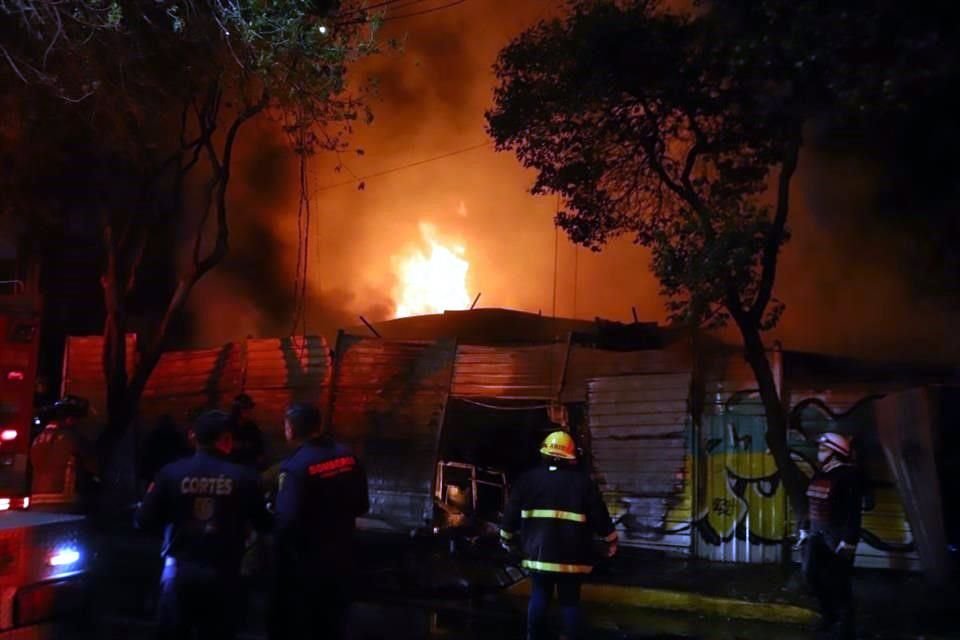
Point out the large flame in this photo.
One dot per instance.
(431, 282)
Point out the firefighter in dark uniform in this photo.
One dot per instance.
(64, 463)
(248, 448)
(205, 504)
(831, 533)
(552, 514)
(322, 490)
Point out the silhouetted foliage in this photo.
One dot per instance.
(682, 129)
(155, 95)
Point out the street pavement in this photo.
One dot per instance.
(415, 595)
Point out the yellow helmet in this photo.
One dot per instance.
(559, 444)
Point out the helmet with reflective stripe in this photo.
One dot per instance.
(560, 445)
(836, 442)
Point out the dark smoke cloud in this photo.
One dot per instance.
(843, 280)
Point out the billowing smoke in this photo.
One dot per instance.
(842, 279)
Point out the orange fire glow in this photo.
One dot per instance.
(431, 282)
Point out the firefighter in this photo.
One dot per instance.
(831, 532)
(166, 443)
(64, 463)
(555, 510)
(322, 490)
(248, 448)
(204, 503)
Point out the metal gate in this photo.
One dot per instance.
(743, 506)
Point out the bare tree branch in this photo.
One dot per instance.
(223, 231)
(774, 237)
(13, 65)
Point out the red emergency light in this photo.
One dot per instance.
(15, 376)
(8, 434)
(6, 504)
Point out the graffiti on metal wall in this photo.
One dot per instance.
(884, 524)
(728, 502)
(741, 494)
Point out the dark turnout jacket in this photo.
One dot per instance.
(835, 497)
(322, 491)
(205, 504)
(556, 511)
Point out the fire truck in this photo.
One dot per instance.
(43, 563)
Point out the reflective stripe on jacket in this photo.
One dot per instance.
(556, 511)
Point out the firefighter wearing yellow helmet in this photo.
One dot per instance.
(553, 513)
(832, 531)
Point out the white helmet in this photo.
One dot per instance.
(836, 442)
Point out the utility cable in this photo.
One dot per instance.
(364, 178)
(385, 4)
(424, 12)
(485, 405)
(576, 274)
(556, 258)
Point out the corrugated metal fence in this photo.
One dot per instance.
(887, 541)
(278, 371)
(742, 504)
(509, 372)
(387, 402)
(185, 380)
(273, 371)
(83, 371)
(639, 439)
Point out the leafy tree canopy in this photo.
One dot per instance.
(140, 105)
(672, 126)
(681, 128)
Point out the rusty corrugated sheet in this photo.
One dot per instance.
(585, 363)
(509, 372)
(83, 371)
(279, 371)
(184, 381)
(640, 446)
(387, 402)
(274, 371)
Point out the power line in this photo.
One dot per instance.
(425, 11)
(532, 407)
(556, 257)
(364, 178)
(385, 4)
(576, 269)
(404, 5)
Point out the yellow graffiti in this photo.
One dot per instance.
(741, 489)
(887, 520)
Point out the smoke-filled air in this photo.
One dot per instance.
(423, 215)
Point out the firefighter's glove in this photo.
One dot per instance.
(846, 551)
(612, 541)
(801, 538)
(508, 541)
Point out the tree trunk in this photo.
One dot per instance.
(150, 355)
(794, 481)
(114, 354)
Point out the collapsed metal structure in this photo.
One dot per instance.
(675, 434)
